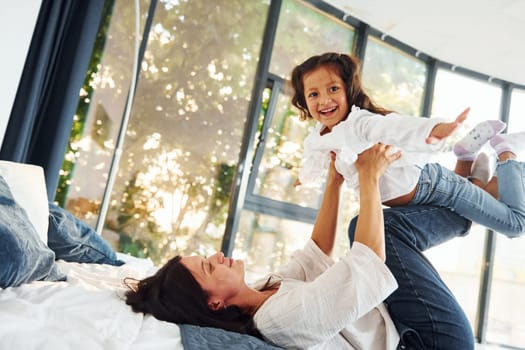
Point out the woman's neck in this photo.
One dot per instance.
(261, 299)
(251, 299)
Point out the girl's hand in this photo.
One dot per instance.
(444, 130)
(373, 162)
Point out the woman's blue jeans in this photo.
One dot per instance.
(440, 186)
(424, 310)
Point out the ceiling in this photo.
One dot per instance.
(486, 36)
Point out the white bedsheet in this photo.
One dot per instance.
(86, 312)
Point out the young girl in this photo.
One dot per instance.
(328, 89)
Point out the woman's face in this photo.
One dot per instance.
(222, 278)
(325, 95)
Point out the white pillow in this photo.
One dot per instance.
(28, 186)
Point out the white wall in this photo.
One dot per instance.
(17, 22)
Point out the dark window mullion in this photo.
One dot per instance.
(428, 97)
(239, 189)
(283, 210)
(275, 88)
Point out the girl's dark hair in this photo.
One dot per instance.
(173, 295)
(348, 68)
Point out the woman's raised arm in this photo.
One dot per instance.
(324, 230)
(371, 164)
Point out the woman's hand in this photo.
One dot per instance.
(333, 176)
(444, 130)
(373, 162)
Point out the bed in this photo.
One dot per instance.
(87, 312)
(76, 302)
(84, 312)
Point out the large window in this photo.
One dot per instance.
(100, 112)
(299, 27)
(171, 194)
(393, 78)
(277, 216)
(460, 261)
(506, 320)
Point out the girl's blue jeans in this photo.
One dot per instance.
(441, 187)
(425, 312)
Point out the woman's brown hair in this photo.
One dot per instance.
(174, 295)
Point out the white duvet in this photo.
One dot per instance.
(86, 312)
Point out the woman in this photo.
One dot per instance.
(313, 302)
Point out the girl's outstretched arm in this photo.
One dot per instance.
(444, 130)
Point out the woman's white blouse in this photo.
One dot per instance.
(325, 305)
(359, 131)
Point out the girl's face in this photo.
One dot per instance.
(325, 95)
(222, 278)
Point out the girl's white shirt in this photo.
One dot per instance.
(360, 131)
(325, 305)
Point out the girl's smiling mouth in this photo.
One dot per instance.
(328, 110)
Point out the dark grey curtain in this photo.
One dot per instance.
(42, 115)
